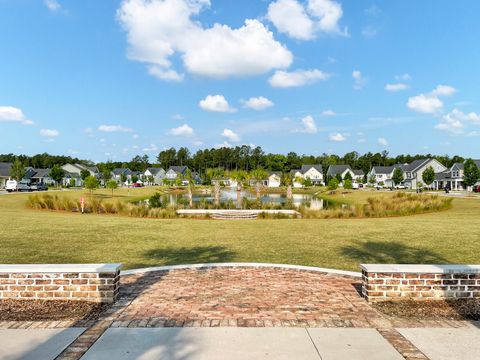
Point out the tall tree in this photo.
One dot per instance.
(397, 176)
(84, 173)
(428, 176)
(91, 183)
(471, 173)
(57, 173)
(18, 170)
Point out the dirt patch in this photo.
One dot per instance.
(462, 309)
(49, 310)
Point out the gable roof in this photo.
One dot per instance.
(154, 171)
(317, 167)
(383, 169)
(416, 164)
(178, 169)
(337, 169)
(120, 171)
(457, 165)
(5, 169)
(358, 172)
(41, 173)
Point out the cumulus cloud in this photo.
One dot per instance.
(183, 130)
(258, 103)
(359, 80)
(305, 21)
(430, 103)
(52, 5)
(285, 79)
(159, 29)
(216, 103)
(396, 87)
(456, 121)
(13, 115)
(308, 125)
(114, 128)
(337, 137)
(49, 133)
(230, 135)
(150, 148)
(382, 141)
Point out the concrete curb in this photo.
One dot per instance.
(253, 265)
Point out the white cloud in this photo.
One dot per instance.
(215, 103)
(369, 31)
(430, 103)
(308, 125)
(230, 135)
(258, 103)
(360, 80)
(337, 137)
(225, 144)
(362, 141)
(49, 133)
(382, 141)
(150, 148)
(444, 90)
(396, 87)
(328, 112)
(162, 74)
(183, 130)
(159, 29)
(456, 121)
(114, 128)
(14, 115)
(290, 17)
(178, 117)
(285, 79)
(427, 104)
(135, 136)
(305, 22)
(52, 5)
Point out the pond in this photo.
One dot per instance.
(231, 196)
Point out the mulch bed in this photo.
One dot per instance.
(49, 310)
(461, 309)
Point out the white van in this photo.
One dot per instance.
(11, 185)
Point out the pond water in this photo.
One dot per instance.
(226, 195)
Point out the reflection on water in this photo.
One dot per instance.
(307, 200)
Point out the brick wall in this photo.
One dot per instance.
(420, 282)
(97, 283)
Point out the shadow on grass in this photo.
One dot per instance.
(186, 255)
(376, 252)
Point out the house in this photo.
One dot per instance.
(342, 170)
(358, 175)
(452, 178)
(155, 174)
(74, 171)
(119, 173)
(176, 172)
(413, 172)
(274, 179)
(5, 169)
(383, 174)
(312, 172)
(38, 176)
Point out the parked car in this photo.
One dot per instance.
(39, 187)
(137, 185)
(11, 185)
(24, 186)
(476, 188)
(400, 187)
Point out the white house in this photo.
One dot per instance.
(413, 172)
(312, 172)
(73, 171)
(274, 179)
(382, 175)
(158, 175)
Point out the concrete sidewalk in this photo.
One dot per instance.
(241, 343)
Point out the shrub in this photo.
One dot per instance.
(348, 184)
(155, 201)
(333, 184)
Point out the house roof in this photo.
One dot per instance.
(154, 171)
(416, 164)
(120, 171)
(70, 175)
(358, 172)
(278, 173)
(294, 171)
(458, 165)
(442, 175)
(383, 169)
(41, 173)
(337, 169)
(5, 169)
(179, 169)
(317, 167)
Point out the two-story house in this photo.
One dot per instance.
(5, 169)
(413, 172)
(155, 174)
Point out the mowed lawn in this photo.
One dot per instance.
(31, 236)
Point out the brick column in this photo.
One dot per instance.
(87, 282)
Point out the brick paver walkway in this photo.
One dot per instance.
(239, 296)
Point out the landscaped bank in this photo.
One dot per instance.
(399, 204)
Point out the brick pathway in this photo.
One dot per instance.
(239, 296)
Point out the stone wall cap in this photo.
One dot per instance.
(59, 268)
(418, 268)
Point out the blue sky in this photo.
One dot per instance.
(111, 79)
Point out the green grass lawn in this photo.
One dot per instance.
(30, 236)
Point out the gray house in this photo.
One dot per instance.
(413, 172)
(176, 172)
(158, 174)
(5, 169)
